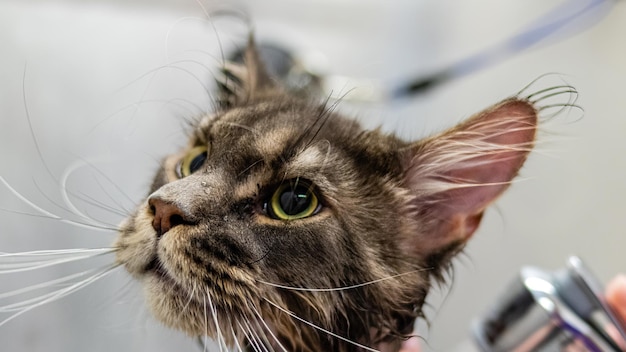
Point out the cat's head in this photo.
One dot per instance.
(284, 223)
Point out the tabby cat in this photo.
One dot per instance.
(285, 226)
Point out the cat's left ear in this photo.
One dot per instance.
(454, 176)
(242, 83)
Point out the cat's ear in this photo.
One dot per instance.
(244, 82)
(455, 175)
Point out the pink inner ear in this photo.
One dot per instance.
(506, 135)
(457, 174)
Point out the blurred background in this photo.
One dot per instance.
(93, 93)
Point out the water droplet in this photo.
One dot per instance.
(225, 217)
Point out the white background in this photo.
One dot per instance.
(109, 84)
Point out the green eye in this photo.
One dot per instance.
(193, 161)
(294, 200)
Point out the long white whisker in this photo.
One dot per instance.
(220, 338)
(206, 323)
(201, 340)
(320, 328)
(342, 288)
(103, 175)
(232, 331)
(55, 295)
(54, 252)
(247, 336)
(27, 264)
(86, 198)
(256, 311)
(93, 201)
(49, 214)
(191, 295)
(65, 194)
(255, 339)
(46, 284)
(85, 219)
(266, 342)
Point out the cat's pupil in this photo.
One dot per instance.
(294, 201)
(197, 162)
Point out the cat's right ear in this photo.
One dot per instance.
(242, 83)
(454, 176)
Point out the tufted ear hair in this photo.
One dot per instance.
(243, 82)
(454, 176)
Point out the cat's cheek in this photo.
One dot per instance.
(136, 244)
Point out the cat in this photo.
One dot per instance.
(286, 226)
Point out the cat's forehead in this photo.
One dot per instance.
(264, 133)
(291, 137)
(263, 122)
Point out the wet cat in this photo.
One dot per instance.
(285, 226)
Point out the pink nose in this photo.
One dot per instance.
(166, 216)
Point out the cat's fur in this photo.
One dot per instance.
(392, 215)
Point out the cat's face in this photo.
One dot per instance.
(281, 214)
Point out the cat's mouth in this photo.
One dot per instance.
(155, 268)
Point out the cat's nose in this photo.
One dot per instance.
(166, 215)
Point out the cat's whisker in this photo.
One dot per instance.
(84, 218)
(164, 102)
(267, 328)
(220, 337)
(47, 284)
(176, 23)
(253, 339)
(248, 340)
(30, 304)
(85, 198)
(268, 346)
(50, 215)
(89, 223)
(206, 322)
(202, 342)
(65, 192)
(235, 339)
(291, 314)
(110, 181)
(333, 289)
(153, 73)
(261, 340)
(191, 296)
(28, 261)
(87, 219)
(198, 80)
(326, 112)
(101, 205)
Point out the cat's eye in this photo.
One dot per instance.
(293, 200)
(193, 161)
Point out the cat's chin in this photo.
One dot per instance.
(196, 312)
